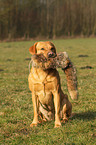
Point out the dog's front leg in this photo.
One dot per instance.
(35, 108)
(57, 108)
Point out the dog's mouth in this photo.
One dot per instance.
(43, 58)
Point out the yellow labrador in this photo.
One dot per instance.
(49, 101)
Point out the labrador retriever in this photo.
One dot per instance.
(48, 99)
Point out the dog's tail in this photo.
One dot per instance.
(70, 72)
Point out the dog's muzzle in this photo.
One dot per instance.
(51, 54)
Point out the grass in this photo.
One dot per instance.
(16, 110)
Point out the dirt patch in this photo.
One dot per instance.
(86, 67)
(9, 60)
(1, 69)
(83, 55)
(27, 58)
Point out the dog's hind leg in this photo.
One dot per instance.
(66, 108)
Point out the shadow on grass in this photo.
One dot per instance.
(89, 115)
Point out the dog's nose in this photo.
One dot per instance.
(50, 54)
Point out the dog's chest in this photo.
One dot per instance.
(43, 86)
(42, 83)
(44, 92)
(46, 87)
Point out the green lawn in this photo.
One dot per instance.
(16, 111)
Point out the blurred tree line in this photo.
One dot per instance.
(47, 18)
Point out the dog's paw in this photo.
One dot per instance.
(65, 120)
(57, 125)
(33, 124)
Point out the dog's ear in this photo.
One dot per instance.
(32, 49)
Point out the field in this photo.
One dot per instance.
(16, 111)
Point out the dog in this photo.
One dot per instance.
(48, 99)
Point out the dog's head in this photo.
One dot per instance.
(46, 48)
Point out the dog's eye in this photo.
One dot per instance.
(52, 48)
(42, 48)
